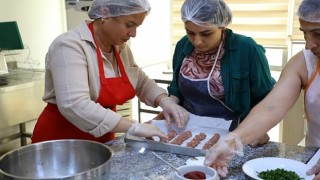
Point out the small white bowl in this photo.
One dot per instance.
(211, 174)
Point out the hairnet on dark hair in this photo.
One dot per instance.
(309, 10)
(113, 8)
(206, 12)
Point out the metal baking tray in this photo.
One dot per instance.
(138, 142)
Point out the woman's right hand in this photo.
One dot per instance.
(174, 113)
(159, 116)
(220, 154)
(145, 130)
(260, 141)
(315, 170)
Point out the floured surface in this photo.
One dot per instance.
(196, 125)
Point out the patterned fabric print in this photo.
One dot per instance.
(198, 66)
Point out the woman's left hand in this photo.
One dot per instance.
(173, 112)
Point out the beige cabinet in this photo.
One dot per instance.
(292, 128)
(21, 104)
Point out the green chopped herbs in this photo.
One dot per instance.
(278, 174)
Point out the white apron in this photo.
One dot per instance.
(312, 99)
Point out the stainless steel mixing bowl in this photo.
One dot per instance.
(59, 159)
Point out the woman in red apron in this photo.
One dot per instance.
(70, 65)
(113, 91)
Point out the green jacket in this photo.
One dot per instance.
(244, 70)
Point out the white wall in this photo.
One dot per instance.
(39, 21)
(152, 44)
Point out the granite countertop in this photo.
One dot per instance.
(128, 163)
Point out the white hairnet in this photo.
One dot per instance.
(113, 8)
(309, 10)
(206, 12)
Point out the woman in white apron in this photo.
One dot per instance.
(300, 73)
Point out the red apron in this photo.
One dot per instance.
(51, 124)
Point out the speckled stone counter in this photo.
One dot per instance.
(128, 164)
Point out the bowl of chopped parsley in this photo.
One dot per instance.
(279, 174)
(270, 168)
